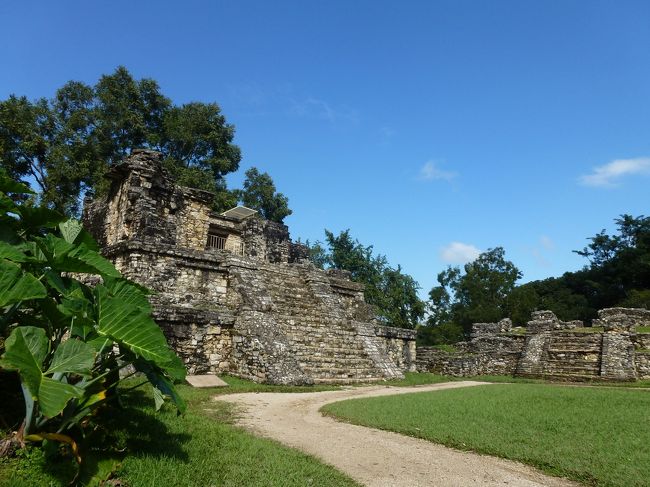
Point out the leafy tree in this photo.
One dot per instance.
(318, 254)
(479, 294)
(618, 274)
(66, 144)
(400, 305)
(562, 295)
(521, 302)
(393, 293)
(259, 194)
(67, 340)
(619, 263)
(443, 334)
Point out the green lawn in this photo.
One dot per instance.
(201, 448)
(596, 435)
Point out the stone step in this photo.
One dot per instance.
(333, 361)
(595, 371)
(348, 380)
(578, 339)
(570, 361)
(575, 350)
(340, 373)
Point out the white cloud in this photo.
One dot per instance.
(546, 242)
(540, 259)
(610, 174)
(459, 253)
(317, 108)
(430, 171)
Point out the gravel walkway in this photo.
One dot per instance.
(373, 457)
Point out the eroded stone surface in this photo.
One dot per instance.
(237, 295)
(551, 348)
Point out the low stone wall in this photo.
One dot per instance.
(463, 364)
(399, 345)
(551, 348)
(642, 362)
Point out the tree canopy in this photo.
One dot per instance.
(477, 293)
(67, 143)
(393, 293)
(259, 193)
(618, 274)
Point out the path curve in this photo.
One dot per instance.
(373, 457)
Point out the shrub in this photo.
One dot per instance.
(67, 340)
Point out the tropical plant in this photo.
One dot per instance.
(71, 323)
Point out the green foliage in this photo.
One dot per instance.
(66, 340)
(566, 296)
(200, 448)
(67, 144)
(317, 253)
(259, 194)
(393, 293)
(618, 274)
(479, 294)
(442, 334)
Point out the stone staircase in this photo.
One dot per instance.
(323, 337)
(563, 355)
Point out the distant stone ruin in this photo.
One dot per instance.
(551, 348)
(233, 293)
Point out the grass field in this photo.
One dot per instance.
(200, 448)
(596, 435)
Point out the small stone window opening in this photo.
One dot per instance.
(228, 242)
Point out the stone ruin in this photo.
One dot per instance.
(233, 293)
(551, 348)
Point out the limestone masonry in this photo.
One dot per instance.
(551, 348)
(233, 293)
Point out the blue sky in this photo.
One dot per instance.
(432, 130)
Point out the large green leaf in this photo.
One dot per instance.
(35, 217)
(123, 319)
(54, 395)
(8, 185)
(53, 314)
(161, 383)
(70, 230)
(67, 257)
(131, 326)
(16, 286)
(12, 252)
(25, 350)
(73, 232)
(72, 356)
(94, 260)
(131, 293)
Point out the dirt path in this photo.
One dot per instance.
(373, 457)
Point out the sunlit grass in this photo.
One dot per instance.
(591, 434)
(200, 448)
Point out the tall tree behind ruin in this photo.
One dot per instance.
(259, 194)
(393, 293)
(64, 145)
(477, 293)
(618, 274)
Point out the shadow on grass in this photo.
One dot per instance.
(131, 428)
(138, 428)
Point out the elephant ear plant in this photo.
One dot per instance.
(68, 340)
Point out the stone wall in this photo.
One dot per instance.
(267, 315)
(551, 349)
